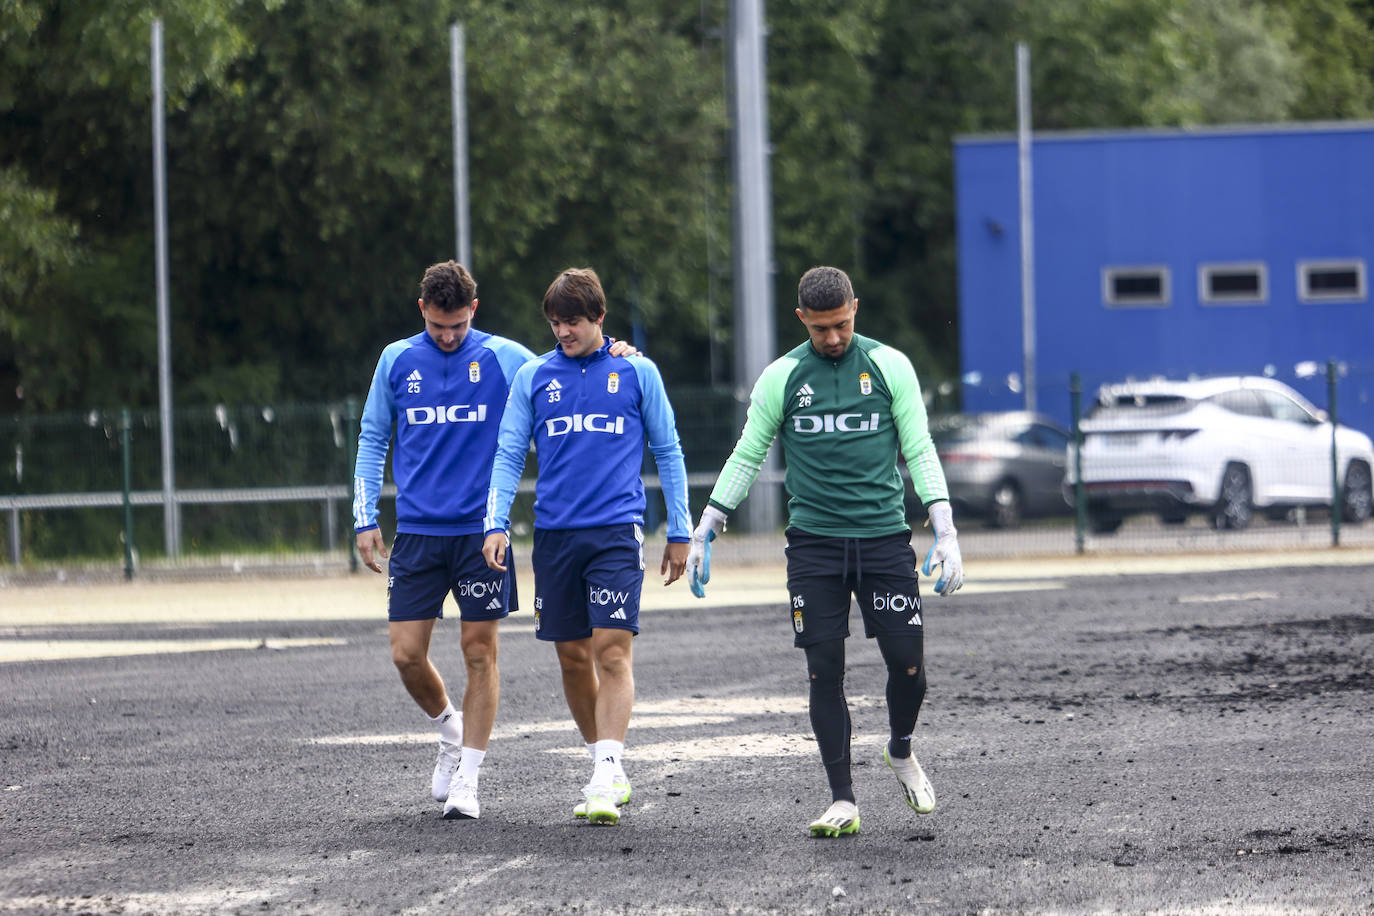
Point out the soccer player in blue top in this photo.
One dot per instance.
(444, 391)
(589, 414)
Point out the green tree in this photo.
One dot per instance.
(36, 246)
(310, 173)
(1334, 45)
(310, 179)
(74, 109)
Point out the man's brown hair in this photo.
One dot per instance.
(447, 286)
(576, 292)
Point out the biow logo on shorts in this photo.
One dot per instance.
(458, 413)
(604, 596)
(477, 588)
(585, 423)
(832, 423)
(898, 604)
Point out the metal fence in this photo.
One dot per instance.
(256, 486)
(262, 488)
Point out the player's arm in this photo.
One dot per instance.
(660, 428)
(927, 477)
(374, 437)
(510, 356)
(761, 426)
(512, 445)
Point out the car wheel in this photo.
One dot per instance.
(1357, 495)
(1235, 504)
(1102, 520)
(1004, 511)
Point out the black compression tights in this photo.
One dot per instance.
(906, 688)
(830, 714)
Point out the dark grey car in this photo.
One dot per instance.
(1001, 467)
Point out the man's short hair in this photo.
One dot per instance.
(576, 292)
(824, 288)
(447, 286)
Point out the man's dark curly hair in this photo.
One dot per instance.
(447, 286)
(824, 288)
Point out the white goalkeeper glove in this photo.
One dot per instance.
(945, 551)
(699, 554)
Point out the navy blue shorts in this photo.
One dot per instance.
(585, 578)
(823, 572)
(425, 567)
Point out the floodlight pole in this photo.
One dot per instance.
(171, 517)
(458, 78)
(1023, 157)
(755, 329)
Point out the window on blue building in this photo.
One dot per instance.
(1232, 284)
(1332, 281)
(1135, 286)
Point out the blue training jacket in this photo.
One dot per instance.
(589, 419)
(446, 409)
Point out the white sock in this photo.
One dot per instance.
(469, 765)
(591, 751)
(608, 754)
(450, 723)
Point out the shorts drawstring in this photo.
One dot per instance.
(858, 561)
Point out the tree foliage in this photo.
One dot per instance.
(310, 170)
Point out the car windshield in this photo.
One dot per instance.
(1138, 404)
(948, 430)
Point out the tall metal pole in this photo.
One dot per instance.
(755, 329)
(1023, 156)
(458, 77)
(125, 448)
(171, 520)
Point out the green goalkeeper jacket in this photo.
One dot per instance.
(843, 422)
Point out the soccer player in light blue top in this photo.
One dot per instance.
(443, 391)
(589, 414)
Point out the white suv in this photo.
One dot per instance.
(1223, 446)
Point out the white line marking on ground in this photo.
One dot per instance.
(675, 713)
(46, 650)
(446, 899)
(1236, 596)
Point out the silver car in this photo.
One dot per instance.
(1001, 467)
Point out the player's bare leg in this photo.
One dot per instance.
(601, 710)
(580, 686)
(609, 787)
(480, 699)
(483, 691)
(612, 651)
(410, 653)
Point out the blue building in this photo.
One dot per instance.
(1240, 250)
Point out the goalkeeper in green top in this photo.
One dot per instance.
(844, 406)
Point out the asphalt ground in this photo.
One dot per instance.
(1181, 734)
